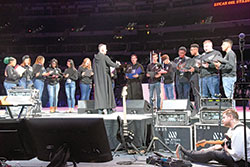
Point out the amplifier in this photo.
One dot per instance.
(210, 116)
(165, 118)
(172, 135)
(208, 132)
(214, 104)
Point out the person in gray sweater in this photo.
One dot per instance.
(209, 75)
(228, 70)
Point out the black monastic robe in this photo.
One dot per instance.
(135, 84)
(104, 95)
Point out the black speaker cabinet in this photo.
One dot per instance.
(16, 143)
(138, 107)
(172, 135)
(86, 107)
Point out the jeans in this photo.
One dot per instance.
(206, 156)
(228, 85)
(24, 83)
(152, 87)
(39, 84)
(85, 91)
(53, 91)
(8, 86)
(70, 89)
(210, 86)
(169, 90)
(183, 89)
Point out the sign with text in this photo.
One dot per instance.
(230, 2)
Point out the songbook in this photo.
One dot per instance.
(133, 72)
(20, 70)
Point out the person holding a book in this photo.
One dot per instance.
(39, 75)
(53, 86)
(134, 76)
(86, 78)
(27, 76)
(71, 76)
(11, 75)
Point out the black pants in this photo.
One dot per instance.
(206, 156)
(194, 83)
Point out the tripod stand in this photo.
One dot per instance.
(155, 138)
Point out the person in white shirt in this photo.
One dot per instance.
(231, 153)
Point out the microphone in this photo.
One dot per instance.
(242, 36)
(241, 41)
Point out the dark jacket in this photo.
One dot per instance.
(73, 74)
(55, 71)
(229, 69)
(211, 70)
(85, 78)
(152, 70)
(182, 76)
(169, 76)
(38, 68)
(11, 75)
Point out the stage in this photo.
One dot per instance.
(140, 124)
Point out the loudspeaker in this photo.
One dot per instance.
(139, 107)
(87, 107)
(86, 138)
(16, 143)
(177, 105)
(173, 135)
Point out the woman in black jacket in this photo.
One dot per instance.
(53, 86)
(71, 75)
(11, 75)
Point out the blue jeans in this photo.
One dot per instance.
(228, 85)
(183, 89)
(53, 91)
(210, 86)
(8, 86)
(85, 91)
(39, 84)
(24, 83)
(157, 87)
(70, 89)
(169, 90)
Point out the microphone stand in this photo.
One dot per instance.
(241, 48)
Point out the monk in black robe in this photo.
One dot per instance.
(104, 95)
(134, 74)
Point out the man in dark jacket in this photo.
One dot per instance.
(134, 75)
(104, 95)
(228, 69)
(182, 75)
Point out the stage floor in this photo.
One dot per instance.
(136, 160)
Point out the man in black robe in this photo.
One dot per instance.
(134, 75)
(104, 95)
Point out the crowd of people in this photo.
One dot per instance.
(201, 73)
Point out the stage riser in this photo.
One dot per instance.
(172, 135)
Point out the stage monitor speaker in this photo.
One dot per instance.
(177, 105)
(86, 138)
(15, 141)
(86, 107)
(139, 107)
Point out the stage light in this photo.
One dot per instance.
(30, 31)
(148, 32)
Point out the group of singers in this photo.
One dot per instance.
(26, 76)
(201, 73)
